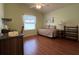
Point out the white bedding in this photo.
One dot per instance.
(47, 32)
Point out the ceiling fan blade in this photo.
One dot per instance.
(32, 6)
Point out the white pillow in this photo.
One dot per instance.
(13, 33)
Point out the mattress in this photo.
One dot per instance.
(47, 32)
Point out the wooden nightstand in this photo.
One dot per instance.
(60, 33)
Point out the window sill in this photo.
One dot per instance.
(29, 30)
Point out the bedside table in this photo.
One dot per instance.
(60, 33)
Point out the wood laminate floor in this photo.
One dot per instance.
(39, 45)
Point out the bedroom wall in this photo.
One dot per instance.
(68, 15)
(1, 15)
(16, 11)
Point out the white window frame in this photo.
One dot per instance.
(24, 16)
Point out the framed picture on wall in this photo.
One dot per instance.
(52, 20)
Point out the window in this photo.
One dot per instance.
(29, 22)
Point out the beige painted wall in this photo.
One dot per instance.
(16, 11)
(1, 15)
(67, 16)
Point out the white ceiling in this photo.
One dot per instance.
(51, 6)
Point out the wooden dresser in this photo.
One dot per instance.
(11, 45)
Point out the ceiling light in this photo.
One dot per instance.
(38, 6)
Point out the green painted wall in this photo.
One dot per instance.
(68, 15)
(16, 11)
(1, 15)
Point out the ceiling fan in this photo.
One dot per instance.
(38, 5)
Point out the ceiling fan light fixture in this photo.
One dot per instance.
(38, 6)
